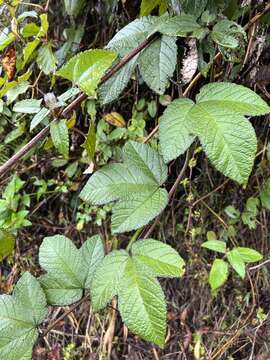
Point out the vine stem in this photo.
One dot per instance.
(74, 104)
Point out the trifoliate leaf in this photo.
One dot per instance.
(69, 270)
(20, 315)
(218, 274)
(87, 68)
(161, 258)
(134, 184)
(175, 129)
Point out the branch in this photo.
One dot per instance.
(74, 105)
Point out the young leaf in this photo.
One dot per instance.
(218, 274)
(237, 262)
(249, 255)
(69, 270)
(7, 243)
(161, 258)
(60, 137)
(87, 68)
(135, 185)
(107, 277)
(20, 314)
(141, 304)
(175, 129)
(215, 245)
(157, 63)
(29, 106)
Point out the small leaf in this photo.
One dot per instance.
(20, 315)
(39, 117)
(141, 304)
(161, 258)
(215, 245)
(237, 262)
(7, 243)
(86, 69)
(227, 33)
(175, 129)
(60, 137)
(218, 274)
(90, 141)
(249, 255)
(115, 119)
(30, 106)
(148, 5)
(74, 7)
(107, 277)
(46, 59)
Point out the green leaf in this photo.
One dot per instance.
(227, 33)
(141, 304)
(90, 141)
(215, 245)
(161, 258)
(249, 255)
(218, 274)
(92, 252)
(28, 51)
(106, 279)
(6, 38)
(237, 97)
(30, 106)
(237, 262)
(135, 185)
(265, 195)
(44, 26)
(175, 129)
(69, 270)
(180, 25)
(46, 59)
(7, 243)
(157, 63)
(39, 117)
(87, 68)
(18, 89)
(60, 137)
(192, 7)
(20, 314)
(148, 5)
(124, 41)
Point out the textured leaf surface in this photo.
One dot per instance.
(157, 63)
(161, 258)
(180, 25)
(107, 277)
(20, 314)
(175, 129)
(215, 245)
(218, 274)
(87, 68)
(142, 305)
(228, 139)
(46, 59)
(135, 184)
(237, 97)
(60, 138)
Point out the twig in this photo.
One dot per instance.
(74, 104)
(259, 265)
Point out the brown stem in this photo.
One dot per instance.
(74, 104)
